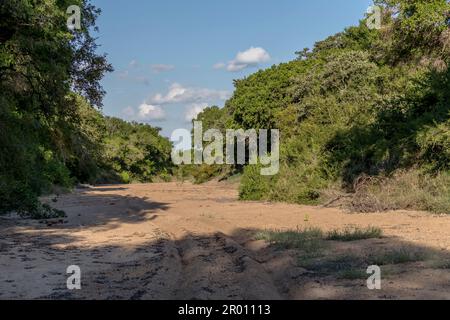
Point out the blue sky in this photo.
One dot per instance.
(174, 57)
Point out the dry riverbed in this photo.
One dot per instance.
(180, 241)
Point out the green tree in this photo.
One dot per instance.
(42, 65)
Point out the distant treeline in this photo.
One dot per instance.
(52, 132)
(364, 116)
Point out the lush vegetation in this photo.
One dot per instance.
(364, 116)
(136, 152)
(52, 132)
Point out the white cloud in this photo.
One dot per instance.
(219, 65)
(248, 58)
(180, 94)
(145, 112)
(234, 67)
(150, 112)
(252, 56)
(175, 94)
(193, 111)
(158, 68)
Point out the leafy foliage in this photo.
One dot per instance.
(136, 151)
(361, 103)
(51, 132)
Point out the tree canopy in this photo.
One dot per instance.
(364, 109)
(52, 131)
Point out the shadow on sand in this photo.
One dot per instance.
(152, 265)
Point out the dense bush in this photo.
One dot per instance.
(137, 152)
(51, 129)
(362, 103)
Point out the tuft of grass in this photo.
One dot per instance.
(313, 239)
(404, 189)
(353, 267)
(332, 265)
(443, 264)
(353, 234)
(310, 239)
(398, 256)
(353, 274)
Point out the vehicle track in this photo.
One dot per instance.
(179, 241)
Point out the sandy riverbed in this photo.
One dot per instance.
(180, 241)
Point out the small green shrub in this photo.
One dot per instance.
(125, 177)
(44, 211)
(26, 204)
(254, 186)
(203, 173)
